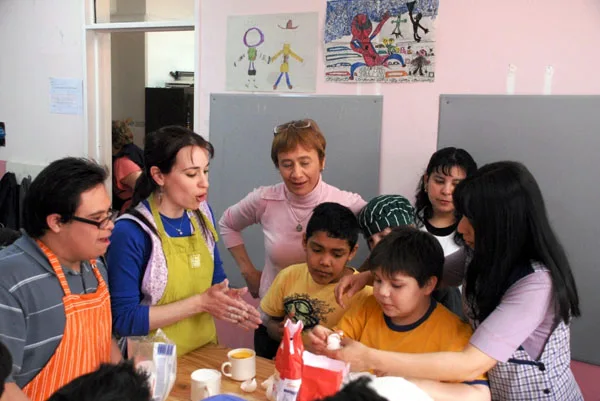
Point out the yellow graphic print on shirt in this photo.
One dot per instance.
(312, 311)
(294, 292)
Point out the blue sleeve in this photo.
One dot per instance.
(218, 273)
(127, 257)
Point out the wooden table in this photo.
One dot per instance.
(212, 357)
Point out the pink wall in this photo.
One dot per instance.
(476, 42)
(587, 377)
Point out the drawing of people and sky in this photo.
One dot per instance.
(380, 41)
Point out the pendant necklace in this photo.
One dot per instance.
(299, 226)
(298, 220)
(179, 230)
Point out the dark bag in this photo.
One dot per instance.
(9, 201)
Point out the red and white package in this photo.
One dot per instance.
(288, 363)
(321, 376)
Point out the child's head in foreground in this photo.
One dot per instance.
(107, 383)
(356, 390)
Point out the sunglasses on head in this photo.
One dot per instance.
(297, 124)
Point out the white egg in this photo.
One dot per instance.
(334, 342)
(249, 385)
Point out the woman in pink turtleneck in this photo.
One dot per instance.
(283, 210)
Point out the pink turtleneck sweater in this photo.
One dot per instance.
(271, 207)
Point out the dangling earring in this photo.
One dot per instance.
(160, 194)
(425, 188)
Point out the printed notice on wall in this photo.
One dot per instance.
(66, 96)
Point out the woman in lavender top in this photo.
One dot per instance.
(520, 296)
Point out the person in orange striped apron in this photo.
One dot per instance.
(164, 267)
(55, 313)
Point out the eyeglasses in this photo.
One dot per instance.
(298, 124)
(101, 224)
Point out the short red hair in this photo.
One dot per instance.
(290, 137)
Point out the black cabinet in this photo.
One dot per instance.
(169, 106)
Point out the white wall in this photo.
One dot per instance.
(165, 52)
(161, 10)
(168, 51)
(39, 40)
(43, 39)
(128, 80)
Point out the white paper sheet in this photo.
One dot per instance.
(66, 96)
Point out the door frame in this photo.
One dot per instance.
(97, 93)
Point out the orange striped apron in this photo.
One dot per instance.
(86, 342)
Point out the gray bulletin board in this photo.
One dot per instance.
(558, 139)
(241, 130)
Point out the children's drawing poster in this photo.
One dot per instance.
(380, 40)
(272, 53)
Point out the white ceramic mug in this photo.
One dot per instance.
(205, 383)
(241, 365)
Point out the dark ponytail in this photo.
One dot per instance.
(160, 150)
(144, 187)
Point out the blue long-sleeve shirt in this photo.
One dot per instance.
(127, 257)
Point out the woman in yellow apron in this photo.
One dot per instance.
(164, 267)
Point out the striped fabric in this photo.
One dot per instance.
(32, 315)
(86, 342)
(385, 211)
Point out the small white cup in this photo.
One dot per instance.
(205, 383)
(241, 365)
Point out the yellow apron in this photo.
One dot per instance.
(190, 267)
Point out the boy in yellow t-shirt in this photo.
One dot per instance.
(401, 315)
(305, 291)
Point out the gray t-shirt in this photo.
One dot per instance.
(32, 316)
